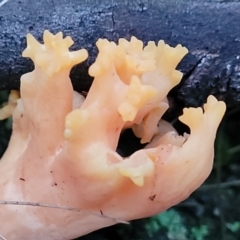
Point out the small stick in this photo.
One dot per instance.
(36, 204)
(235, 183)
(3, 238)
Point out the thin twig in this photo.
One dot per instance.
(234, 150)
(3, 238)
(235, 183)
(3, 2)
(36, 204)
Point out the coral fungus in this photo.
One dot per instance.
(62, 154)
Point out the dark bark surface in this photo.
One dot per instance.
(210, 30)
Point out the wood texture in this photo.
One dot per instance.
(210, 30)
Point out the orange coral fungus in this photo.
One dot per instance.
(63, 155)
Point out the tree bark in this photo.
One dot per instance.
(209, 29)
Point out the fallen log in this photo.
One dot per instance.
(210, 30)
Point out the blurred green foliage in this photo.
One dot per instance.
(234, 227)
(171, 221)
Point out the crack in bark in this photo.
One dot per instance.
(192, 70)
(113, 18)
